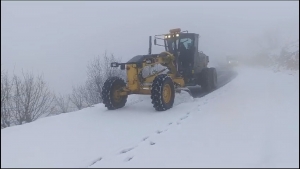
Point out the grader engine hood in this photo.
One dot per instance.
(140, 58)
(140, 62)
(137, 60)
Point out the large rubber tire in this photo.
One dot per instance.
(213, 78)
(205, 80)
(110, 86)
(162, 92)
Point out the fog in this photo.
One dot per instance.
(59, 39)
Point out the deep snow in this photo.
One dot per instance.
(253, 121)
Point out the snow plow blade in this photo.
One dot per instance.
(195, 89)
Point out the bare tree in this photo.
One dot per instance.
(77, 97)
(98, 71)
(84, 96)
(62, 103)
(31, 98)
(6, 86)
(264, 47)
(92, 94)
(90, 97)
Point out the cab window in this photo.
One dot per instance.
(187, 42)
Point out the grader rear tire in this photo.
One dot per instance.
(111, 99)
(205, 80)
(208, 79)
(213, 78)
(162, 92)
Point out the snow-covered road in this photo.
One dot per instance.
(253, 121)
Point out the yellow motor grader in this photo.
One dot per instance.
(181, 65)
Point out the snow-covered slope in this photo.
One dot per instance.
(285, 58)
(253, 121)
(289, 56)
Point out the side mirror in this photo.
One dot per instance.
(122, 66)
(114, 64)
(154, 41)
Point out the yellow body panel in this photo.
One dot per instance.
(134, 86)
(133, 83)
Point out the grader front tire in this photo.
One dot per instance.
(162, 92)
(110, 96)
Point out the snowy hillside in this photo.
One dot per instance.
(285, 58)
(253, 121)
(289, 56)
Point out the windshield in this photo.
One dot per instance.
(184, 42)
(171, 44)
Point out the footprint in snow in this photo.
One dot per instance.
(144, 139)
(95, 161)
(126, 150)
(170, 123)
(158, 131)
(129, 158)
(182, 118)
(152, 143)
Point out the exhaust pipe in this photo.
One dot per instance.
(150, 45)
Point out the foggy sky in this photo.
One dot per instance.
(59, 39)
